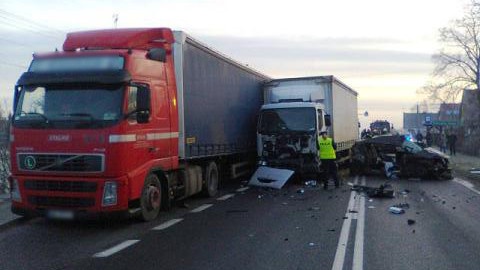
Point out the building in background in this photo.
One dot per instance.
(414, 122)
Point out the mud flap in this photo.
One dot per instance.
(270, 177)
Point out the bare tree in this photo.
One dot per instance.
(458, 62)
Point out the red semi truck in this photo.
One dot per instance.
(125, 121)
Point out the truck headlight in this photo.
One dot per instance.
(15, 190)
(109, 194)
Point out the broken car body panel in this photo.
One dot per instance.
(411, 159)
(270, 177)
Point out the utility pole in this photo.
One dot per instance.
(115, 20)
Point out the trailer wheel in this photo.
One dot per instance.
(210, 187)
(151, 200)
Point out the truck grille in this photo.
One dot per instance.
(61, 201)
(60, 162)
(65, 186)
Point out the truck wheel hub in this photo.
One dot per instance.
(153, 197)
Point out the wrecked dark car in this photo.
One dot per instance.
(408, 158)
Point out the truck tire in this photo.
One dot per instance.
(210, 187)
(151, 199)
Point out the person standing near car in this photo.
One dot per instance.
(442, 142)
(452, 141)
(419, 137)
(327, 157)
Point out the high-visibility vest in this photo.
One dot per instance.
(326, 148)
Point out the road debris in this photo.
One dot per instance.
(300, 191)
(311, 244)
(396, 210)
(402, 205)
(311, 183)
(353, 211)
(270, 177)
(411, 222)
(383, 191)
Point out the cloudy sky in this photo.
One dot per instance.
(381, 48)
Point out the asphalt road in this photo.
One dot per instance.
(266, 229)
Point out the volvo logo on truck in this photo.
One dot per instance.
(30, 162)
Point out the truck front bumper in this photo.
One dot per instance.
(69, 197)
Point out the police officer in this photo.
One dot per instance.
(327, 156)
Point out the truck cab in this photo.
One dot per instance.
(294, 113)
(287, 135)
(289, 125)
(90, 123)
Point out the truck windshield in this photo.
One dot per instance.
(287, 120)
(86, 106)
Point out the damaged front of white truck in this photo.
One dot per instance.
(287, 142)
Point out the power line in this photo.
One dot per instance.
(28, 21)
(26, 28)
(13, 65)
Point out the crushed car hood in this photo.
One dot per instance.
(434, 153)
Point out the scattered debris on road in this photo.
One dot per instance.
(411, 222)
(396, 210)
(383, 191)
(311, 183)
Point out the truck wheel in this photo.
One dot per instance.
(210, 187)
(151, 199)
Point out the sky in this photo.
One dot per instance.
(380, 48)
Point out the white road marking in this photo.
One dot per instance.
(167, 224)
(466, 184)
(115, 249)
(343, 241)
(201, 208)
(242, 189)
(225, 197)
(359, 234)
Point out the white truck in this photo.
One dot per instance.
(295, 111)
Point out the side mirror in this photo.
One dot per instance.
(157, 54)
(16, 96)
(143, 105)
(328, 121)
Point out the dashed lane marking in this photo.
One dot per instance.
(467, 185)
(343, 241)
(167, 224)
(201, 208)
(225, 197)
(242, 189)
(359, 234)
(115, 249)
